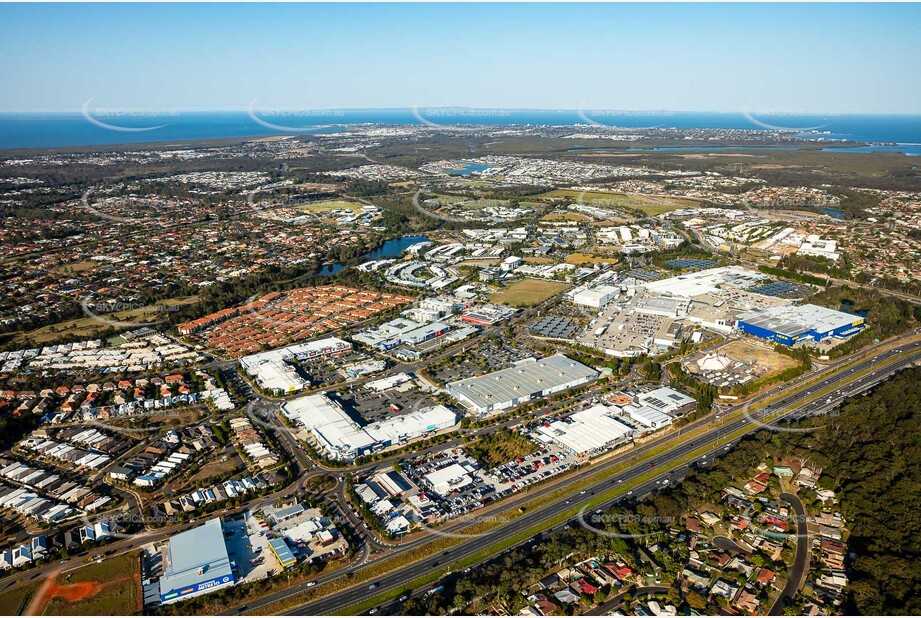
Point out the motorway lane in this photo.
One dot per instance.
(139, 540)
(396, 580)
(510, 503)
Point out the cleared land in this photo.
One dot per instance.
(566, 216)
(76, 267)
(762, 356)
(108, 588)
(482, 262)
(333, 205)
(588, 258)
(651, 205)
(528, 292)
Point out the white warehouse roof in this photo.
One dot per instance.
(524, 380)
(588, 430)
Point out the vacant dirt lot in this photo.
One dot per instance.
(768, 359)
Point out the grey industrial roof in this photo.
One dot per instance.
(521, 380)
(188, 552)
(792, 321)
(553, 327)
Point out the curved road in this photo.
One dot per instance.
(793, 406)
(800, 562)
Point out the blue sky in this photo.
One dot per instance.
(822, 58)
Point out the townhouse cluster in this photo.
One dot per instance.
(140, 351)
(35, 493)
(252, 443)
(283, 318)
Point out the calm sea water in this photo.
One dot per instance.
(18, 130)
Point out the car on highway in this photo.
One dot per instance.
(374, 586)
(311, 584)
(403, 597)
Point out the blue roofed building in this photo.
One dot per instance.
(196, 562)
(790, 324)
(281, 550)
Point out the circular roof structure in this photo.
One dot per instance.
(713, 362)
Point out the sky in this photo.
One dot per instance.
(782, 58)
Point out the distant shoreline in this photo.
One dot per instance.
(46, 131)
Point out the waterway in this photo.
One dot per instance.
(390, 249)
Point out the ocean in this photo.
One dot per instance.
(46, 130)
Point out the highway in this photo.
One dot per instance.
(265, 411)
(883, 365)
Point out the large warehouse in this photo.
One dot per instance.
(343, 438)
(525, 380)
(789, 324)
(195, 562)
(587, 432)
(272, 372)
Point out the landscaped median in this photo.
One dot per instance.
(440, 545)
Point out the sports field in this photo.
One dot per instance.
(528, 292)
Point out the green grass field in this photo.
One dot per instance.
(14, 602)
(528, 292)
(333, 205)
(119, 577)
(648, 204)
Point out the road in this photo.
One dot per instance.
(727, 544)
(308, 471)
(615, 601)
(795, 406)
(800, 563)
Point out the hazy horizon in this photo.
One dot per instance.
(780, 58)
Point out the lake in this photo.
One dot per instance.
(468, 168)
(390, 249)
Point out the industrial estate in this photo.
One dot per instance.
(458, 368)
